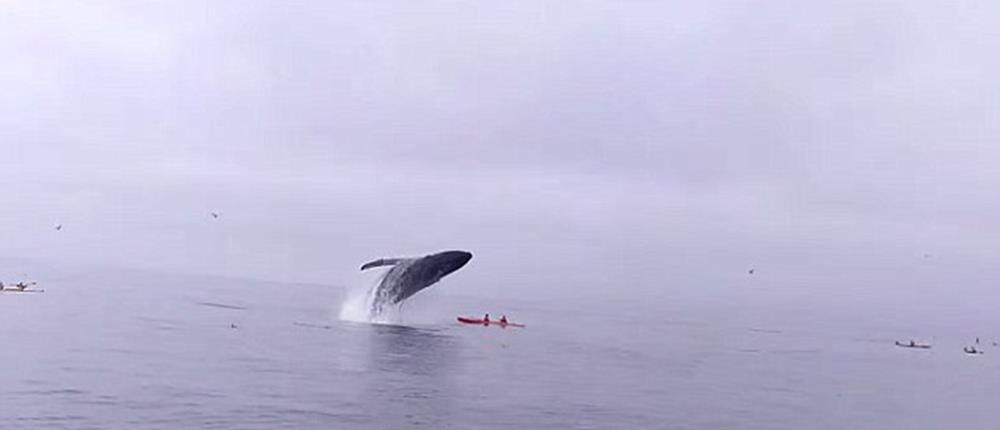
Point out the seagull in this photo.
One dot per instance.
(750, 271)
(215, 215)
(58, 227)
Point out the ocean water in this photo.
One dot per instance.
(131, 350)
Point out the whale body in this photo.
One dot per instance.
(407, 276)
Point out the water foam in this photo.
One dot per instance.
(357, 307)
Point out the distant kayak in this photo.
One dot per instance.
(915, 345)
(972, 351)
(480, 321)
(468, 320)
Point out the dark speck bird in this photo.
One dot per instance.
(58, 227)
(215, 215)
(750, 271)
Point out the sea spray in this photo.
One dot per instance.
(358, 304)
(355, 305)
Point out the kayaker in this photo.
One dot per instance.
(486, 319)
(503, 319)
(912, 343)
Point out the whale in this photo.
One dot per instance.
(408, 276)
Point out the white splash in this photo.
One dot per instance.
(357, 306)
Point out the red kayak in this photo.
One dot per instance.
(480, 321)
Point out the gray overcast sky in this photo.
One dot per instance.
(587, 145)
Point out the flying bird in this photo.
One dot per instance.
(750, 271)
(215, 215)
(58, 227)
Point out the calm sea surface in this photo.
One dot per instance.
(147, 351)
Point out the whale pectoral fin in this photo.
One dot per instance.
(380, 262)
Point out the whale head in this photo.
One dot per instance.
(444, 263)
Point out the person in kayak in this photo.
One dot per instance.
(912, 343)
(486, 319)
(503, 319)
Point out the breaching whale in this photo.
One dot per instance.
(410, 275)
